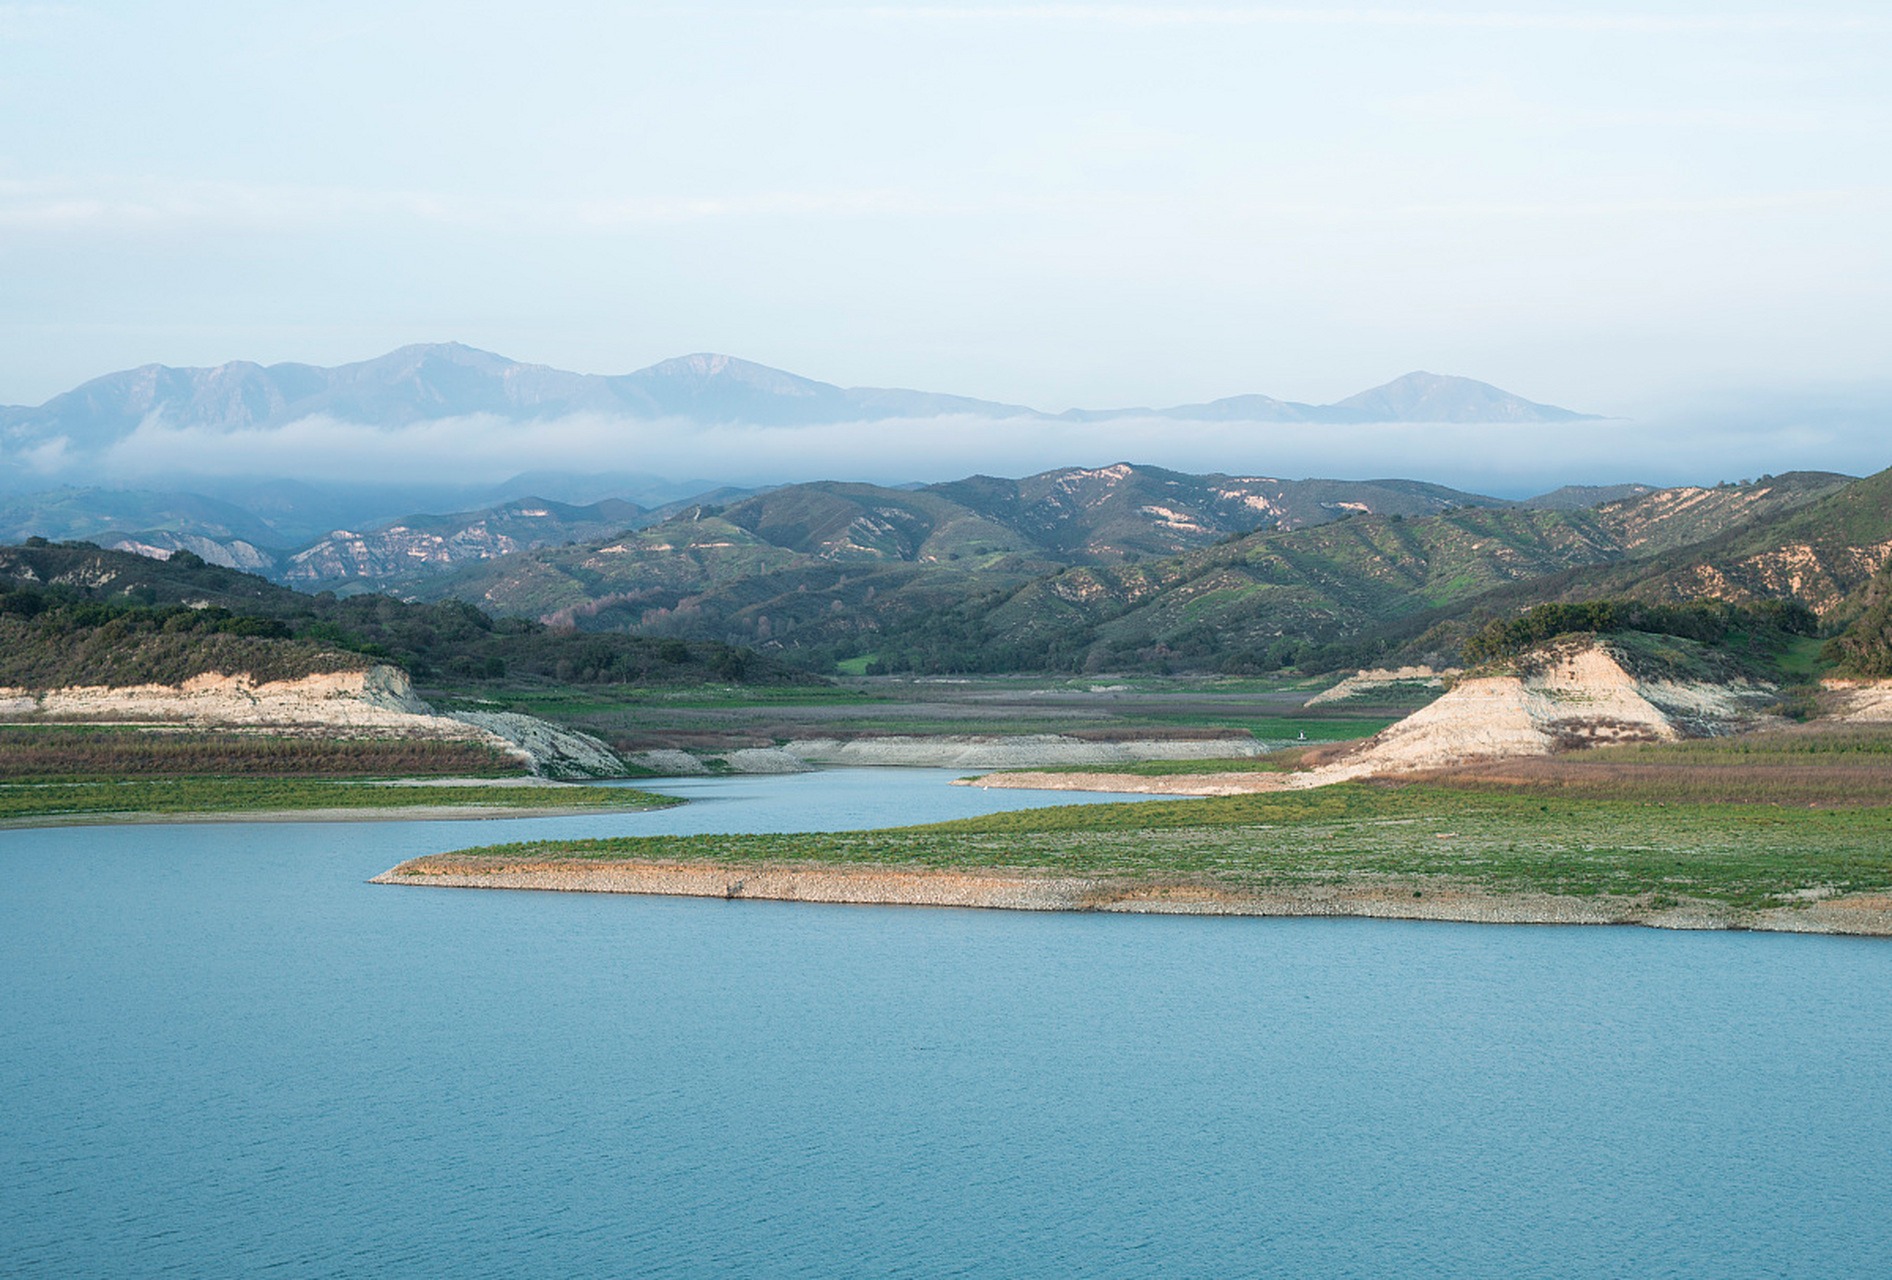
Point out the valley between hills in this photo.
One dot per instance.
(1434, 706)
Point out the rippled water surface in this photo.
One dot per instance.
(222, 1053)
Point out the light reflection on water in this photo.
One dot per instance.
(222, 1052)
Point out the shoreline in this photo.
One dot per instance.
(1862, 915)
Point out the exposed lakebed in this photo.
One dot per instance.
(226, 1053)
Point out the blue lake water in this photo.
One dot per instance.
(222, 1053)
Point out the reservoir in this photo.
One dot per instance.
(222, 1053)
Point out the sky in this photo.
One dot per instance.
(1663, 211)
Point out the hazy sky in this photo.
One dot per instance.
(1613, 206)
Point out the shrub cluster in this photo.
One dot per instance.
(1865, 647)
(1706, 621)
(144, 633)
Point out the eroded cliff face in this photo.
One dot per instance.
(1577, 695)
(1858, 701)
(380, 697)
(379, 701)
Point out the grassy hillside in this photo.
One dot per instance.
(1331, 594)
(1050, 573)
(48, 643)
(1821, 554)
(1865, 647)
(73, 613)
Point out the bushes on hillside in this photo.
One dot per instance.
(1706, 621)
(1865, 647)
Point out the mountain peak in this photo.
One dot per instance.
(1435, 397)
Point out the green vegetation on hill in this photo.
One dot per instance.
(1321, 597)
(47, 642)
(1116, 569)
(1052, 574)
(73, 613)
(1865, 647)
(1761, 630)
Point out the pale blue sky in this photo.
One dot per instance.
(1614, 206)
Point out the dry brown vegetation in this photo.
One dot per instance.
(1822, 766)
(70, 751)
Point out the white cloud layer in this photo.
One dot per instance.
(1508, 460)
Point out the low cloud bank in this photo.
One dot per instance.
(1502, 459)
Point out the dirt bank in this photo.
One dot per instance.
(380, 698)
(1365, 684)
(1573, 695)
(1859, 701)
(1023, 891)
(379, 701)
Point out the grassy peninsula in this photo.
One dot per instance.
(1767, 831)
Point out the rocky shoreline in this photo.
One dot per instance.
(1017, 890)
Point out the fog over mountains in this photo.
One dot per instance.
(447, 423)
(449, 380)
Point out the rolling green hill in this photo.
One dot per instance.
(1051, 573)
(991, 532)
(1312, 594)
(73, 613)
(1822, 554)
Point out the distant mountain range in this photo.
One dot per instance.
(1118, 568)
(1103, 569)
(1070, 515)
(449, 380)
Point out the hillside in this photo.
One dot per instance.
(967, 536)
(1312, 595)
(183, 611)
(1821, 553)
(144, 521)
(1058, 571)
(422, 544)
(49, 643)
(1864, 648)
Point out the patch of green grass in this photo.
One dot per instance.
(1744, 856)
(1317, 728)
(23, 801)
(1801, 658)
(856, 666)
(1274, 762)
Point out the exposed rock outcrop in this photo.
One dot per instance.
(1575, 693)
(378, 701)
(1363, 684)
(379, 697)
(554, 751)
(1858, 701)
